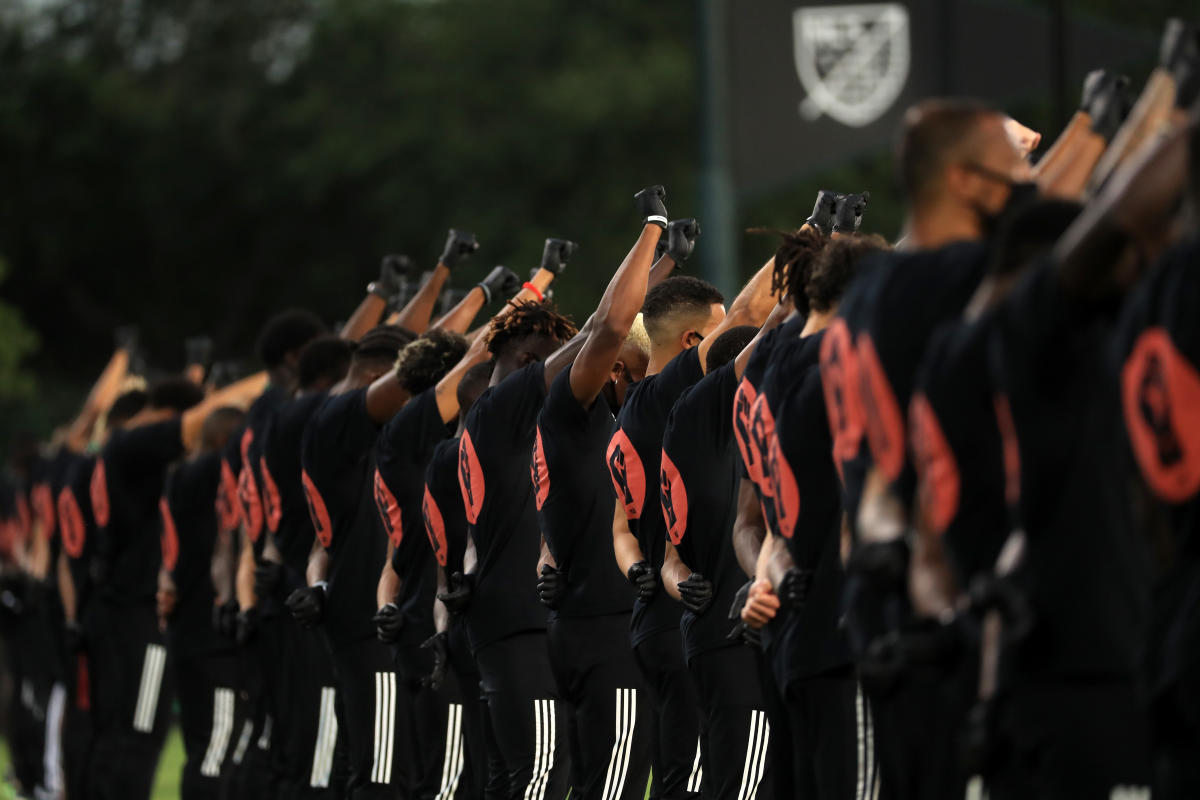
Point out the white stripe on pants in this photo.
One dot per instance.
(148, 691)
(452, 764)
(544, 737)
(385, 725)
(618, 764)
(756, 755)
(327, 730)
(222, 730)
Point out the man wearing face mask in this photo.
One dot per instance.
(961, 175)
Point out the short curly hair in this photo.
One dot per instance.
(528, 319)
(425, 360)
(837, 265)
(678, 298)
(287, 332)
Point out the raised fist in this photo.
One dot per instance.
(822, 213)
(681, 239)
(501, 281)
(126, 338)
(460, 245)
(848, 214)
(198, 350)
(1107, 100)
(651, 206)
(556, 254)
(392, 272)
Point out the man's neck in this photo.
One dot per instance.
(816, 322)
(660, 357)
(933, 227)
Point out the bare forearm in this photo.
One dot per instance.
(66, 589)
(674, 571)
(222, 569)
(389, 584)
(245, 576)
(99, 400)
(625, 545)
(459, 318)
(545, 557)
(415, 315)
(239, 394)
(368, 314)
(318, 565)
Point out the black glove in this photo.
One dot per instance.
(645, 582)
(267, 577)
(439, 643)
(388, 623)
(199, 350)
(1107, 100)
(126, 338)
(247, 625)
(1179, 54)
(1004, 594)
(793, 589)
(458, 594)
(75, 638)
(225, 619)
(681, 239)
(392, 272)
(556, 254)
(696, 592)
(847, 216)
(822, 213)
(307, 605)
(650, 205)
(500, 282)
(98, 569)
(460, 246)
(551, 586)
(740, 629)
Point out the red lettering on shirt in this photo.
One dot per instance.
(252, 511)
(672, 494)
(435, 527)
(1160, 392)
(743, 402)
(538, 471)
(839, 383)
(43, 506)
(170, 536)
(272, 505)
(229, 508)
(317, 510)
(389, 511)
(98, 488)
(627, 473)
(938, 478)
(884, 420)
(70, 523)
(785, 493)
(762, 433)
(470, 478)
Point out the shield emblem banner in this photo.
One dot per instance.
(852, 60)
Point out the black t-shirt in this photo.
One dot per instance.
(575, 502)
(127, 483)
(77, 526)
(633, 458)
(402, 455)
(189, 532)
(1087, 569)
(249, 477)
(808, 508)
(958, 449)
(915, 293)
(446, 528)
(698, 487)
(285, 510)
(338, 457)
(498, 501)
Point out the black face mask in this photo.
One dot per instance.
(1020, 194)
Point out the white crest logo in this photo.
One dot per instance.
(852, 60)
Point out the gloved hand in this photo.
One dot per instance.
(126, 338)
(75, 638)
(267, 577)
(822, 213)
(388, 622)
(740, 629)
(848, 214)
(198, 350)
(696, 592)
(225, 618)
(247, 625)
(458, 595)
(793, 589)
(439, 643)
(551, 586)
(645, 582)
(392, 272)
(460, 246)
(1107, 100)
(1179, 54)
(500, 282)
(308, 604)
(651, 206)
(681, 239)
(556, 254)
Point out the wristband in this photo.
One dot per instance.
(374, 288)
(487, 293)
(657, 219)
(322, 585)
(537, 292)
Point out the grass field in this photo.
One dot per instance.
(166, 783)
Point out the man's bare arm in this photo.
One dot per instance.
(749, 529)
(625, 545)
(674, 572)
(752, 306)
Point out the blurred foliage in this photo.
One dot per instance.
(17, 342)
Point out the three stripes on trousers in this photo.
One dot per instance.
(146, 710)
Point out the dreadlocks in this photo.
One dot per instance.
(794, 263)
(528, 319)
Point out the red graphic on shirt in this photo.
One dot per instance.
(785, 493)
(884, 420)
(538, 472)
(673, 496)
(272, 505)
(24, 518)
(389, 510)
(1009, 448)
(435, 527)
(170, 536)
(1160, 390)
(70, 523)
(627, 473)
(470, 478)
(743, 402)
(839, 383)
(229, 508)
(316, 510)
(762, 433)
(98, 488)
(252, 511)
(9, 534)
(43, 506)
(938, 479)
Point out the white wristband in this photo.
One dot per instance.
(657, 220)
